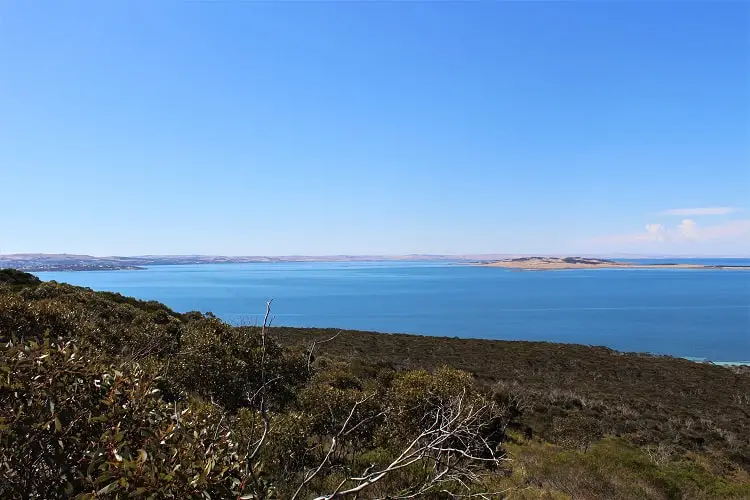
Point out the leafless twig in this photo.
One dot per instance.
(452, 441)
(334, 441)
(316, 343)
(256, 447)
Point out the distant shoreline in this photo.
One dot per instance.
(567, 263)
(91, 267)
(71, 262)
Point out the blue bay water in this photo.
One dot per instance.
(690, 313)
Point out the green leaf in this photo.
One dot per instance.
(107, 489)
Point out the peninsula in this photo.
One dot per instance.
(556, 263)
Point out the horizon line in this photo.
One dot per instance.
(385, 255)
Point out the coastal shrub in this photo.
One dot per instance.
(103, 396)
(13, 277)
(616, 469)
(73, 425)
(627, 395)
(33, 320)
(227, 365)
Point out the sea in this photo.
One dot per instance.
(696, 314)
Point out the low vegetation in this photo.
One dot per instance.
(105, 396)
(591, 391)
(13, 277)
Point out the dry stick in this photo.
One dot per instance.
(334, 441)
(316, 343)
(450, 422)
(263, 410)
(364, 421)
(267, 384)
(485, 496)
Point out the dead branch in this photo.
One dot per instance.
(451, 441)
(258, 444)
(316, 343)
(263, 386)
(334, 441)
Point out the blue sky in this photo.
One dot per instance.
(248, 128)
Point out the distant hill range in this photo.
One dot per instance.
(74, 262)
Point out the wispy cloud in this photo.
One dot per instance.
(735, 229)
(701, 211)
(686, 231)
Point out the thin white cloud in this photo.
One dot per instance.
(686, 231)
(701, 211)
(654, 232)
(736, 229)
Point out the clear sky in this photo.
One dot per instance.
(276, 128)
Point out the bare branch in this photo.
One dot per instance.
(334, 441)
(263, 409)
(452, 441)
(483, 496)
(316, 343)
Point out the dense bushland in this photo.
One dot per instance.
(105, 396)
(578, 393)
(108, 397)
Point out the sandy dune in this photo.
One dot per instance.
(553, 263)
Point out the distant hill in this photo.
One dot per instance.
(70, 262)
(75, 262)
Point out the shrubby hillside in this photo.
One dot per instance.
(106, 396)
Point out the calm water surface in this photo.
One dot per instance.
(692, 313)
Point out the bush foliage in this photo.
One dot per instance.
(106, 396)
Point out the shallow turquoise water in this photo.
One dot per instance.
(692, 313)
